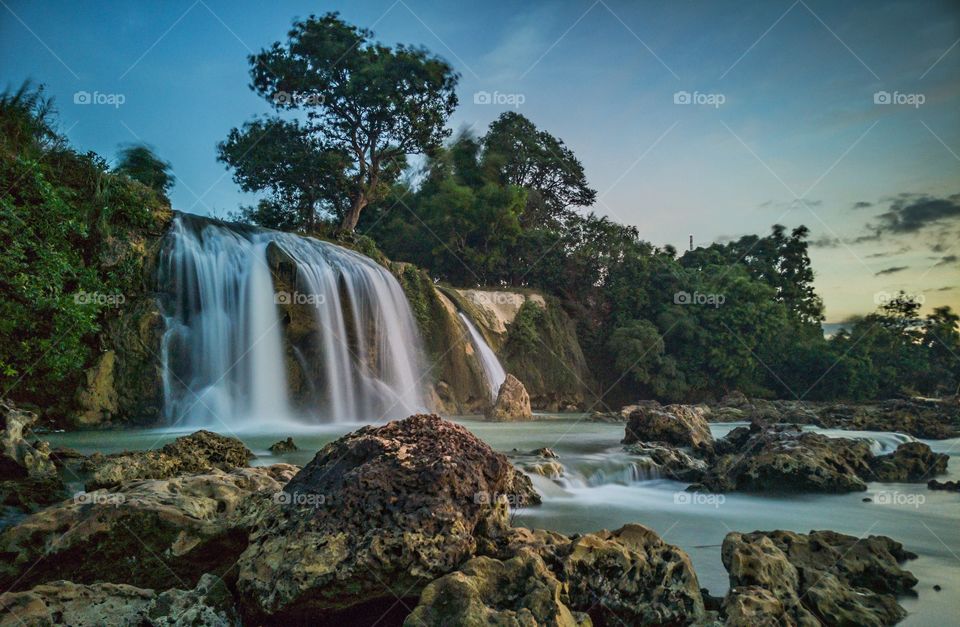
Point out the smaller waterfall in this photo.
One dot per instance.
(492, 370)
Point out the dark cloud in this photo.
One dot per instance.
(909, 213)
(826, 242)
(889, 253)
(862, 204)
(946, 289)
(891, 270)
(947, 260)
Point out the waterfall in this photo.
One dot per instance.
(226, 351)
(492, 370)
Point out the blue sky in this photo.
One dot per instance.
(782, 125)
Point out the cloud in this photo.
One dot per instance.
(946, 289)
(826, 242)
(910, 213)
(862, 204)
(891, 270)
(947, 260)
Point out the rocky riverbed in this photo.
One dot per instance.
(420, 521)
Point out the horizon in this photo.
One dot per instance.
(792, 113)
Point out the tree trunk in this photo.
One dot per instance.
(352, 216)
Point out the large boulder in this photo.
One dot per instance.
(201, 451)
(377, 514)
(822, 576)
(786, 459)
(679, 425)
(513, 402)
(668, 461)
(209, 604)
(912, 461)
(153, 533)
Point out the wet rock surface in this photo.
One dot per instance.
(400, 504)
(513, 402)
(679, 425)
(28, 475)
(824, 577)
(201, 451)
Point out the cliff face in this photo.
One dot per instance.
(531, 335)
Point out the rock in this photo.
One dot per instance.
(66, 603)
(513, 402)
(153, 533)
(912, 461)
(198, 452)
(670, 462)
(97, 401)
(623, 415)
(32, 493)
(545, 453)
(403, 503)
(680, 425)
(487, 591)
(954, 486)
(784, 459)
(283, 446)
(548, 469)
(838, 578)
(18, 458)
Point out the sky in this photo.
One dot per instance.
(711, 119)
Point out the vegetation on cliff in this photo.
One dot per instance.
(67, 254)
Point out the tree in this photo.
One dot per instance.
(371, 102)
(525, 156)
(140, 162)
(304, 175)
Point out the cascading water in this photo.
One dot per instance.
(492, 369)
(225, 352)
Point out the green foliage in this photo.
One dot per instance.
(60, 212)
(524, 333)
(140, 163)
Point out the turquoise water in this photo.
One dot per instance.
(604, 488)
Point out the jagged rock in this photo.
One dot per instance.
(680, 425)
(912, 461)
(670, 462)
(755, 606)
(545, 452)
(623, 415)
(954, 486)
(18, 458)
(784, 459)
(548, 469)
(487, 591)
(821, 576)
(210, 604)
(201, 451)
(403, 503)
(513, 402)
(153, 533)
(283, 446)
(32, 493)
